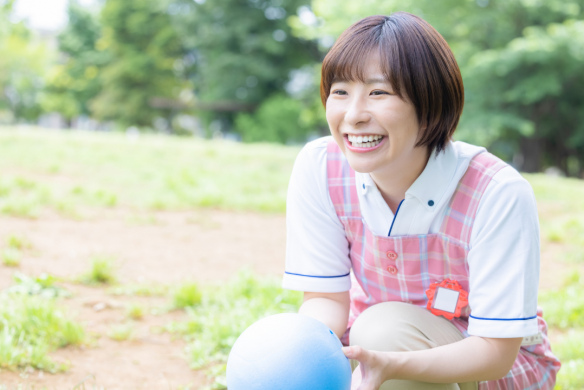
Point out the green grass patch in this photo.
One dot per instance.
(224, 312)
(18, 242)
(564, 312)
(135, 311)
(11, 257)
(102, 272)
(140, 290)
(44, 285)
(121, 332)
(154, 172)
(30, 328)
(564, 307)
(186, 295)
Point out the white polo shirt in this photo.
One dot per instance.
(504, 246)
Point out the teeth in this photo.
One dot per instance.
(364, 141)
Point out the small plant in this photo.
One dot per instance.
(186, 295)
(121, 332)
(140, 290)
(43, 285)
(18, 242)
(135, 312)
(11, 257)
(30, 328)
(102, 272)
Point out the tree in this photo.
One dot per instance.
(23, 60)
(241, 52)
(142, 80)
(74, 82)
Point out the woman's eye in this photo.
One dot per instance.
(379, 92)
(339, 92)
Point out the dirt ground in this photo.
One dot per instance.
(162, 248)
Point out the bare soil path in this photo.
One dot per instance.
(162, 248)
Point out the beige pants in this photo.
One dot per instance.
(398, 326)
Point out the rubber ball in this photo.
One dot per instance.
(288, 352)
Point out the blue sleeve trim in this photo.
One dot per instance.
(504, 319)
(321, 277)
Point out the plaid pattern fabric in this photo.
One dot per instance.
(402, 268)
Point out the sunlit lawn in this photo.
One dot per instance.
(72, 172)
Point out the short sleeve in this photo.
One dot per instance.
(504, 260)
(317, 250)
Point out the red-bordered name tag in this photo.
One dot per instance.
(446, 298)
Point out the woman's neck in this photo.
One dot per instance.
(395, 180)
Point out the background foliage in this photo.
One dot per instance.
(250, 69)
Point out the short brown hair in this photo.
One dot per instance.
(417, 62)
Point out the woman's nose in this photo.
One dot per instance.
(357, 112)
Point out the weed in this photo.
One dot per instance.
(102, 271)
(11, 257)
(121, 332)
(224, 312)
(135, 312)
(18, 242)
(140, 290)
(31, 327)
(186, 295)
(43, 285)
(564, 308)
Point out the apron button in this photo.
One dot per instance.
(391, 255)
(392, 269)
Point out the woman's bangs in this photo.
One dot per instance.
(349, 63)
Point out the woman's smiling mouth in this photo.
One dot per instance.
(363, 143)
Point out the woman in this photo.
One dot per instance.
(442, 237)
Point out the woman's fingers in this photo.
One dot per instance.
(354, 352)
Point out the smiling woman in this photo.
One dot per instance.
(391, 206)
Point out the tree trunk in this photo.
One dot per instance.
(532, 154)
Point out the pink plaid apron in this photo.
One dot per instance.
(402, 268)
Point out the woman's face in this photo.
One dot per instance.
(375, 128)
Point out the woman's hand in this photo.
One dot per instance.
(372, 371)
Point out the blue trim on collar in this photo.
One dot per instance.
(321, 277)
(395, 215)
(503, 319)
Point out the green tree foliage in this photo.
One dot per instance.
(142, 80)
(528, 93)
(74, 82)
(241, 52)
(279, 119)
(23, 60)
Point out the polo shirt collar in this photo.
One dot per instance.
(431, 186)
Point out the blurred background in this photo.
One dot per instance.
(249, 70)
(146, 147)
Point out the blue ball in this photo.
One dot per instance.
(288, 352)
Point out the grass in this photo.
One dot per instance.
(121, 332)
(102, 272)
(223, 313)
(32, 326)
(73, 171)
(186, 295)
(135, 312)
(11, 257)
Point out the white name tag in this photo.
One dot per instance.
(446, 299)
(532, 340)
